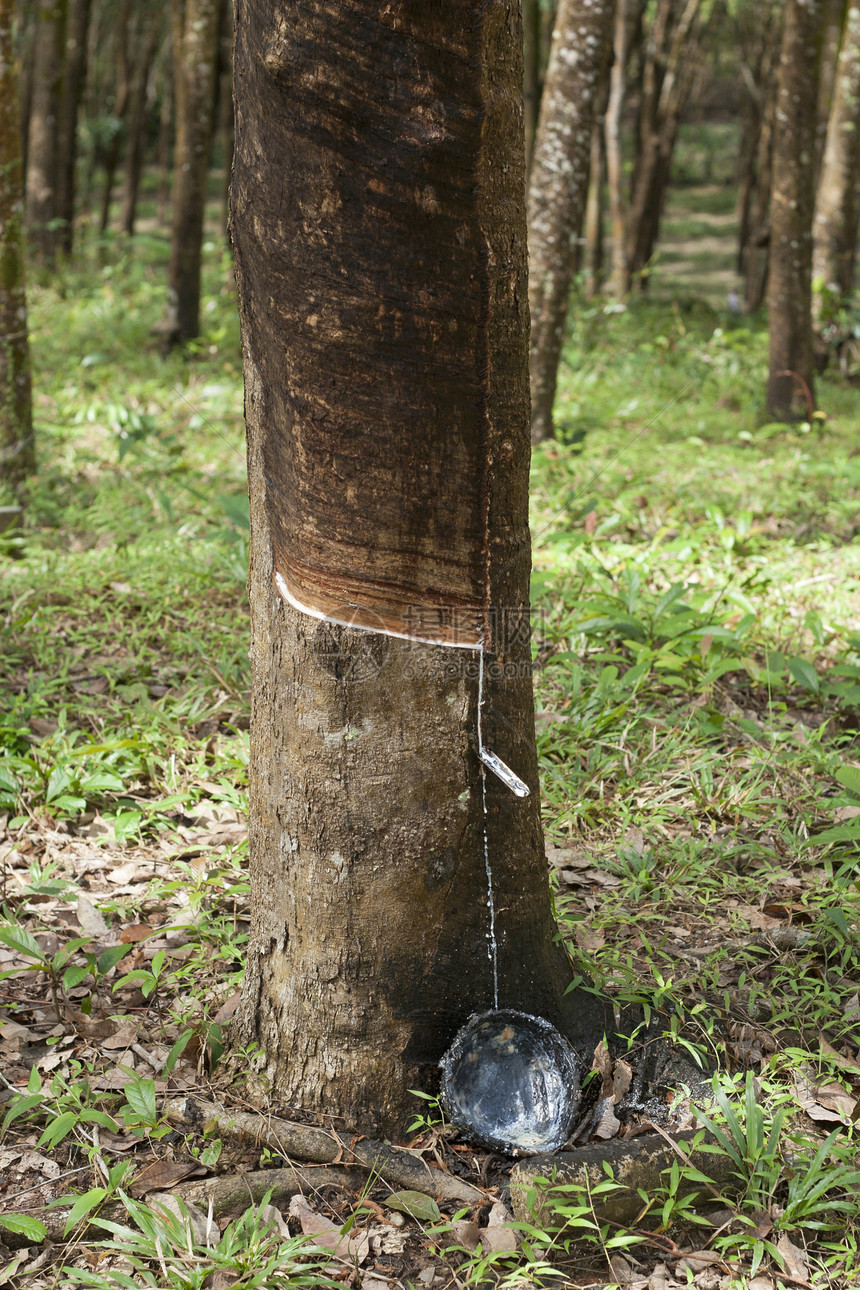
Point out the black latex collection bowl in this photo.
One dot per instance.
(511, 1082)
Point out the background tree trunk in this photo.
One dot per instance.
(42, 156)
(67, 146)
(17, 445)
(165, 127)
(619, 277)
(136, 117)
(758, 38)
(531, 73)
(558, 187)
(836, 208)
(673, 52)
(833, 19)
(594, 212)
(195, 57)
(379, 231)
(120, 109)
(790, 277)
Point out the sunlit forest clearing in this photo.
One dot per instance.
(695, 638)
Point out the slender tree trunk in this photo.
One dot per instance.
(195, 56)
(836, 207)
(620, 276)
(789, 295)
(758, 39)
(136, 123)
(558, 189)
(17, 444)
(532, 73)
(669, 76)
(165, 127)
(224, 106)
(833, 23)
(25, 24)
(379, 230)
(42, 155)
(120, 110)
(67, 149)
(594, 212)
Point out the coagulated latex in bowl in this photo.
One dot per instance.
(511, 1082)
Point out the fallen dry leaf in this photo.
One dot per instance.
(807, 1096)
(121, 1038)
(659, 1278)
(161, 1175)
(796, 1262)
(91, 921)
(621, 1270)
(327, 1234)
(134, 932)
(497, 1237)
(466, 1233)
(608, 1124)
(622, 1078)
(840, 1059)
(602, 1063)
(588, 938)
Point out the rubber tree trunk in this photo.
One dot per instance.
(67, 146)
(594, 212)
(558, 187)
(789, 293)
(673, 56)
(619, 276)
(531, 73)
(195, 61)
(379, 231)
(162, 147)
(123, 39)
(136, 117)
(17, 444)
(42, 153)
(836, 208)
(833, 20)
(758, 38)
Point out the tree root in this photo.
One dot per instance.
(394, 1165)
(228, 1194)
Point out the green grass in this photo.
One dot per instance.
(698, 688)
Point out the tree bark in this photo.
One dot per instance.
(531, 74)
(836, 208)
(594, 212)
(17, 444)
(195, 58)
(379, 230)
(757, 37)
(165, 126)
(833, 25)
(558, 188)
(669, 74)
(619, 277)
(42, 156)
(120, 109)
(136, 122)
(789, 294)
(67, 148)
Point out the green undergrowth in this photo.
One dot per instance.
(697, 651)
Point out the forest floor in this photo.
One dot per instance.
(697, 641)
